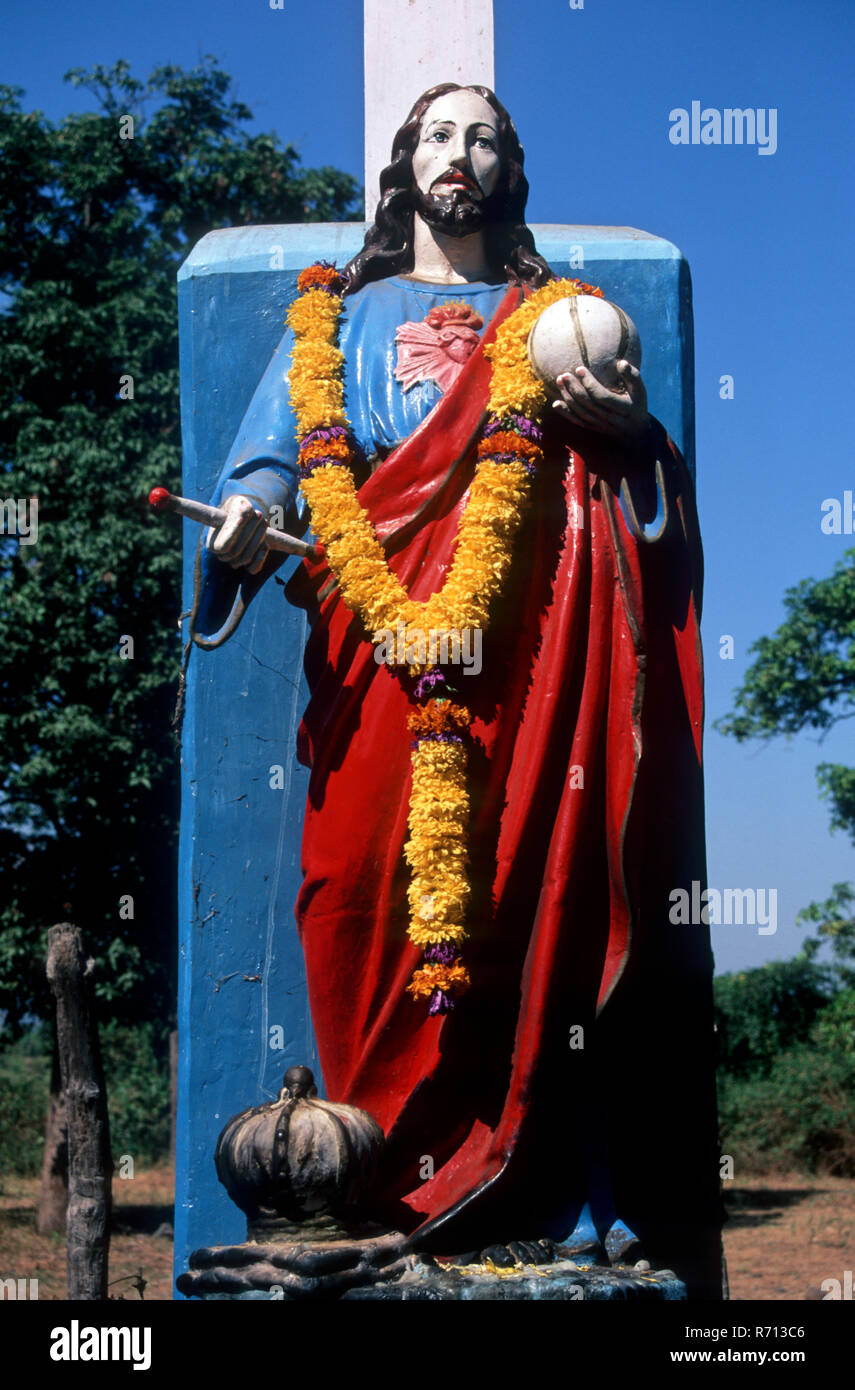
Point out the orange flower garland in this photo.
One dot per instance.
(507, 457)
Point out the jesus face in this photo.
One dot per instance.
(456, 164)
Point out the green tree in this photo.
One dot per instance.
(96, 214)
(835, 921)
(804, 678)
(762, 1012)
(834, 1030)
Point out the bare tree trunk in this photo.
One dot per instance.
(53, 1196)
(89, 1163)
(173, 1089)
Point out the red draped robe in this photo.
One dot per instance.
(587, 811)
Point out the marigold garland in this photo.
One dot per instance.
(436, 850)
(507, 457)
(429, 980)
(438, 717)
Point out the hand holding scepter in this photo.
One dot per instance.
(239, 535)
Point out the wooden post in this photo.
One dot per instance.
(89, 1162)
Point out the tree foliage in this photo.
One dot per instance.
(761, 1012)
(835, 922)
(800, 1116)
(803, 677)
(787, 1052)
(136, 1072)
(93, 227)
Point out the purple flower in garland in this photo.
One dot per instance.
(518, 424)
(432, 683)
(440, 1003)
(308, 467)
(436, 738)
(439, 953)
(331, 432)
(335, 445)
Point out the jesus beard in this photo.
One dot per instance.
(455, 214)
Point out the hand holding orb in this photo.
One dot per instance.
(587, 352)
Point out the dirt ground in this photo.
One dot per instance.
(784, 1236)
(140, 1260)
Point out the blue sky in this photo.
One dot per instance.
(767, 240)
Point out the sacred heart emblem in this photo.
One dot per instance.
(437, 349)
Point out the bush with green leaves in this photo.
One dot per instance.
(787, 1067)
(24, 1086)
(136, 1072)
(800, 1116)
(761, 1012)
(136, 1075)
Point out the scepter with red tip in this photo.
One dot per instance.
(164, 501)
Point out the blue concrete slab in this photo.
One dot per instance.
(243, 1016)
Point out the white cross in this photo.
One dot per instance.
(411, 45)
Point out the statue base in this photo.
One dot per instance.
(381, 1269)
(296, 1165)
(300, 1269)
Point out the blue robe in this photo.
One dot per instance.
(262, 463)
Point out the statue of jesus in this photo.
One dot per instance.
(550, 1065)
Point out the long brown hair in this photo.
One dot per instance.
(388, 246)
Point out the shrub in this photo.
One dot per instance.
(762, 1012)
(801, 1115)
(24, 1086)
(136, 1072)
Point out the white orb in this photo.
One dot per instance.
(583, 331)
